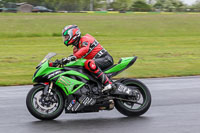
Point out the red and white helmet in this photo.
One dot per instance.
(71, 35)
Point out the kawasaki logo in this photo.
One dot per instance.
(53, 74)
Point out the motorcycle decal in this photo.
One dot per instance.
(85, 100)
(71, 72)
(73, 107)
(54, 74)
(81, 103)
(124, 89)
(69, 85)
(44, 60)
(76, 106)
(64, 81)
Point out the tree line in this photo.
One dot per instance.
(112, 5)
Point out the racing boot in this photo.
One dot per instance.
(104, 80)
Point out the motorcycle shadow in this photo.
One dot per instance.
(90, 123)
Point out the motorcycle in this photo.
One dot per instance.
(71, 87)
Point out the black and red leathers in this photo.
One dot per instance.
(97, 57)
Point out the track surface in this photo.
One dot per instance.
(175, 109)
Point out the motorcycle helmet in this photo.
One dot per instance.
(71, 35)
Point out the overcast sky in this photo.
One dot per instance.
(188, 1)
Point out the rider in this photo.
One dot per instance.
(89, 48)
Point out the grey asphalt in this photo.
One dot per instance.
(175, 109)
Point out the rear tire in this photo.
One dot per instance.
(145, 93)
(36, 108)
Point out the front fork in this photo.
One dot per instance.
(47, 89)
(47, 92)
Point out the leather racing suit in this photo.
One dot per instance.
(97, 57)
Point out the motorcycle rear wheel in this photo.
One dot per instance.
(143, 103)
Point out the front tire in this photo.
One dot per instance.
(44, 109)
(126, 108)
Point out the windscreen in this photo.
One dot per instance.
(47, 57)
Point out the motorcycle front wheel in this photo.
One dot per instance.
(143, 100)
(44, 107)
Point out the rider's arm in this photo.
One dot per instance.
(82, 51)
(75, 50)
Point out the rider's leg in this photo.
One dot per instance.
(104, 62)
(100, 75)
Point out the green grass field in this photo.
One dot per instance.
(166, 45)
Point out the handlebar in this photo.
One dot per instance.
(60, 62)
(63, 61)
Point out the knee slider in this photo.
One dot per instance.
(90, 65)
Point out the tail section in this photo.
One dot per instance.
(123, 64)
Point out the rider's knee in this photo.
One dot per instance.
(91, 66)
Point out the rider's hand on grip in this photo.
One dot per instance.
(57, 62)
(72, 58)
(65, 60)
(68, 59)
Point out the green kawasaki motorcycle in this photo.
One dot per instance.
(69, 86)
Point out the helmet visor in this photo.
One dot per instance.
(66, 37)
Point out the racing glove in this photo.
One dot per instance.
(68, 59)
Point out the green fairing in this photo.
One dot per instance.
(75, 73)
(45, 69)
(64, 82)
(123, 64)
(67, 84)
(79, 62)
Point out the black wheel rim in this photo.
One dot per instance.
(44, 105)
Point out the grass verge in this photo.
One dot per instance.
(167, 45)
